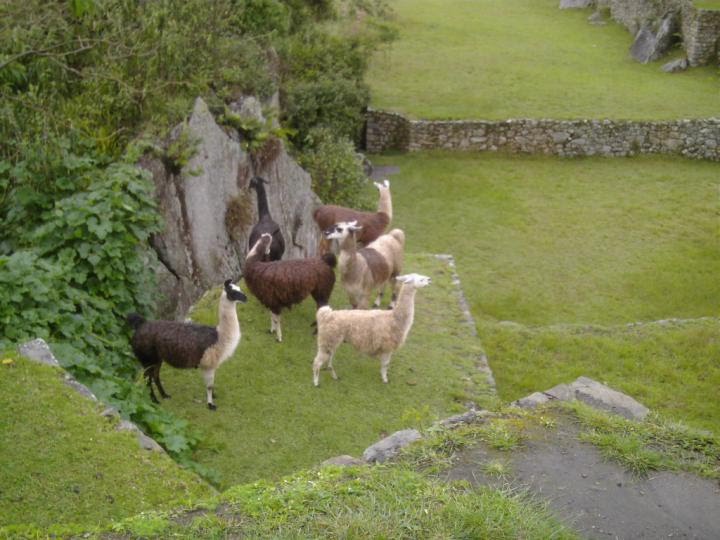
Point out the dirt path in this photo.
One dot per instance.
(597, 498)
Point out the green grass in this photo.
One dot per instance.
(571, 251)
(369, 502)
(498, 59)
(652, 445)
(64, 463)
(271, 420)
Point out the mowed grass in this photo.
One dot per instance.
(270, 419)
(572, 251)
(499, 59)
(62, 462)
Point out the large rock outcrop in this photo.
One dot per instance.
(208, 210)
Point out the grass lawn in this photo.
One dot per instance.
(272, 421)
(571, 251)
(498, 59)
(64, 463)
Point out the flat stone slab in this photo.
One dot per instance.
(389, 447)
(589, 391)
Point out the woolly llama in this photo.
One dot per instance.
(188, 345)
(282, 284)
(364, 270)
(265, 223)
(376, 332)
(373, 223)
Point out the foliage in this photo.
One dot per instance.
(336, 170)
(322, 79)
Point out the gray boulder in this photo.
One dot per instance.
(597, 19)
(650, 45)
(593, 393)
(208, 210)
(389, 447)
(681, 64)
(38, 351)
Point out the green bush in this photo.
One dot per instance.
(336, 169)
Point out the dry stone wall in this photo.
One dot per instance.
(700, 27)
(698, 139)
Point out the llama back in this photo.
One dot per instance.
(179, 344)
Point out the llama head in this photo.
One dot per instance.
(342, 230)
(257, 181)
(233, 292)
(384, 186)
(414, 280)
(261, 247)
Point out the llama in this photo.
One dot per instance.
(376, 332)
(364, 270)
(282, 284)
(265, 222)
(188, 345)
(373, 223)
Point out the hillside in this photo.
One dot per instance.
(64, 463)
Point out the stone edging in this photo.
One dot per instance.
(39, 352)
(696, 138)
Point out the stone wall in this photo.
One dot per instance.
(700, 27)
(698, 139)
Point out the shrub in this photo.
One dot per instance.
(336, 170)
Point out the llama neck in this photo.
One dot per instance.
(348, 253)
(262, 203)
(385, 203)
(404, 310)
(228, 327)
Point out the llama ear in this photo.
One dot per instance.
(386, 183)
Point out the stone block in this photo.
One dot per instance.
(389, 446)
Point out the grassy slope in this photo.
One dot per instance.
(498, 59)
(560, 244)
(63, 462)
(271, 420)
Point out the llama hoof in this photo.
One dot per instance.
(166, 396)
(212, 406)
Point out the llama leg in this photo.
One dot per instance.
(149, 371)
(156, 374)
(378, 299)
(384, 363)
(275, 326)
(320, 358)
(330, 366)
(395, 288)
(209, 376)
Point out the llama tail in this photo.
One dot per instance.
(399, 235)
(135, 320)
(330, 259)
(322, 314)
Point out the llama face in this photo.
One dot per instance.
(261, 246)
(342, 230)
(257, 181)
(234, 293)
(415, 280)
(385, 185)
